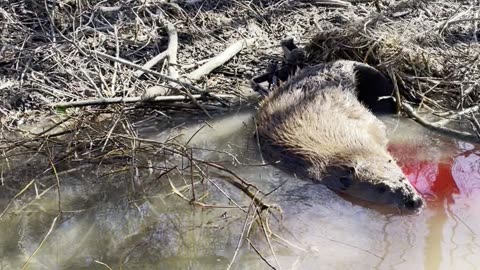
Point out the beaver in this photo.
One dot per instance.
(315, 126)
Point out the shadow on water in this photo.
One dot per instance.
(162, 231)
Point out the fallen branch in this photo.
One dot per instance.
(172, 50)
(117, 100)
(219, 60)
(329, 3)
(476, 124)
(453, 116)
(158, 74)
(447, 131)
(152, 62)
(167, 78)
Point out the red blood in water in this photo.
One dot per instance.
(430, 178)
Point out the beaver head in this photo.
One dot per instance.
(375, 178)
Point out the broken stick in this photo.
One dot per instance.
(168, 78)
(152, 62)
(447, 131)
(172, 50)
(220, 59)
(171, 53)
(117, 100)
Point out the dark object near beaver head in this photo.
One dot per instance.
(374, 89)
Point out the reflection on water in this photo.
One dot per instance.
(324, 231)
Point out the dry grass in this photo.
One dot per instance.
(429, 48)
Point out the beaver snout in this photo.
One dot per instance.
(413, 203)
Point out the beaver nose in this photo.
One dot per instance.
(413, 203)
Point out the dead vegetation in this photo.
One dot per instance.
(429, 49)
(75, 75)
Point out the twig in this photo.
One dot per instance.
(109, 9)
(194, 198)
(242, 235)
(171, 53)
(239, 183)
(260, 255)
(117, 100)
(16, 196)
(158, 74)
(219, 60)
(172, 50)
(455, 115)
(454, 14)
(54, 170)
(167, 78)
(476, 124)
(329, 3)
(41, 243)
(104, 264)
(398, 99)
(152, 62)
(178, 192)
(447, 131)
(266, 229)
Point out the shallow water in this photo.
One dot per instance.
(323, 230)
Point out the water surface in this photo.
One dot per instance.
(318, 229)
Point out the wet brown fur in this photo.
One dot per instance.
(315, 127)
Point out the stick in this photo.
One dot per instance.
(330, 3)
(42, 242)
(456, 115)
(242, 235)
(180, 82)
(396, 91)
(172, 50)
(220, 59)
(158, 74)
(152, 62)
(476, 124)
(117, 100)
(447, 131)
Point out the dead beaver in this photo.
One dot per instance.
(315, 127)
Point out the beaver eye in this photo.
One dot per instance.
(346, 182)
(382, 189)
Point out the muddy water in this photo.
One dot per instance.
(101, 225)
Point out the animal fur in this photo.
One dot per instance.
(315, 126)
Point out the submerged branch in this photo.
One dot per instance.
(447, 131)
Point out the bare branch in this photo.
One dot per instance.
(447, 131)
(152, 62)
(117, 100)
(219, 60)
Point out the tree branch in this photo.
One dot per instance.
(447, 131)
(117, 100)
(219, 60)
